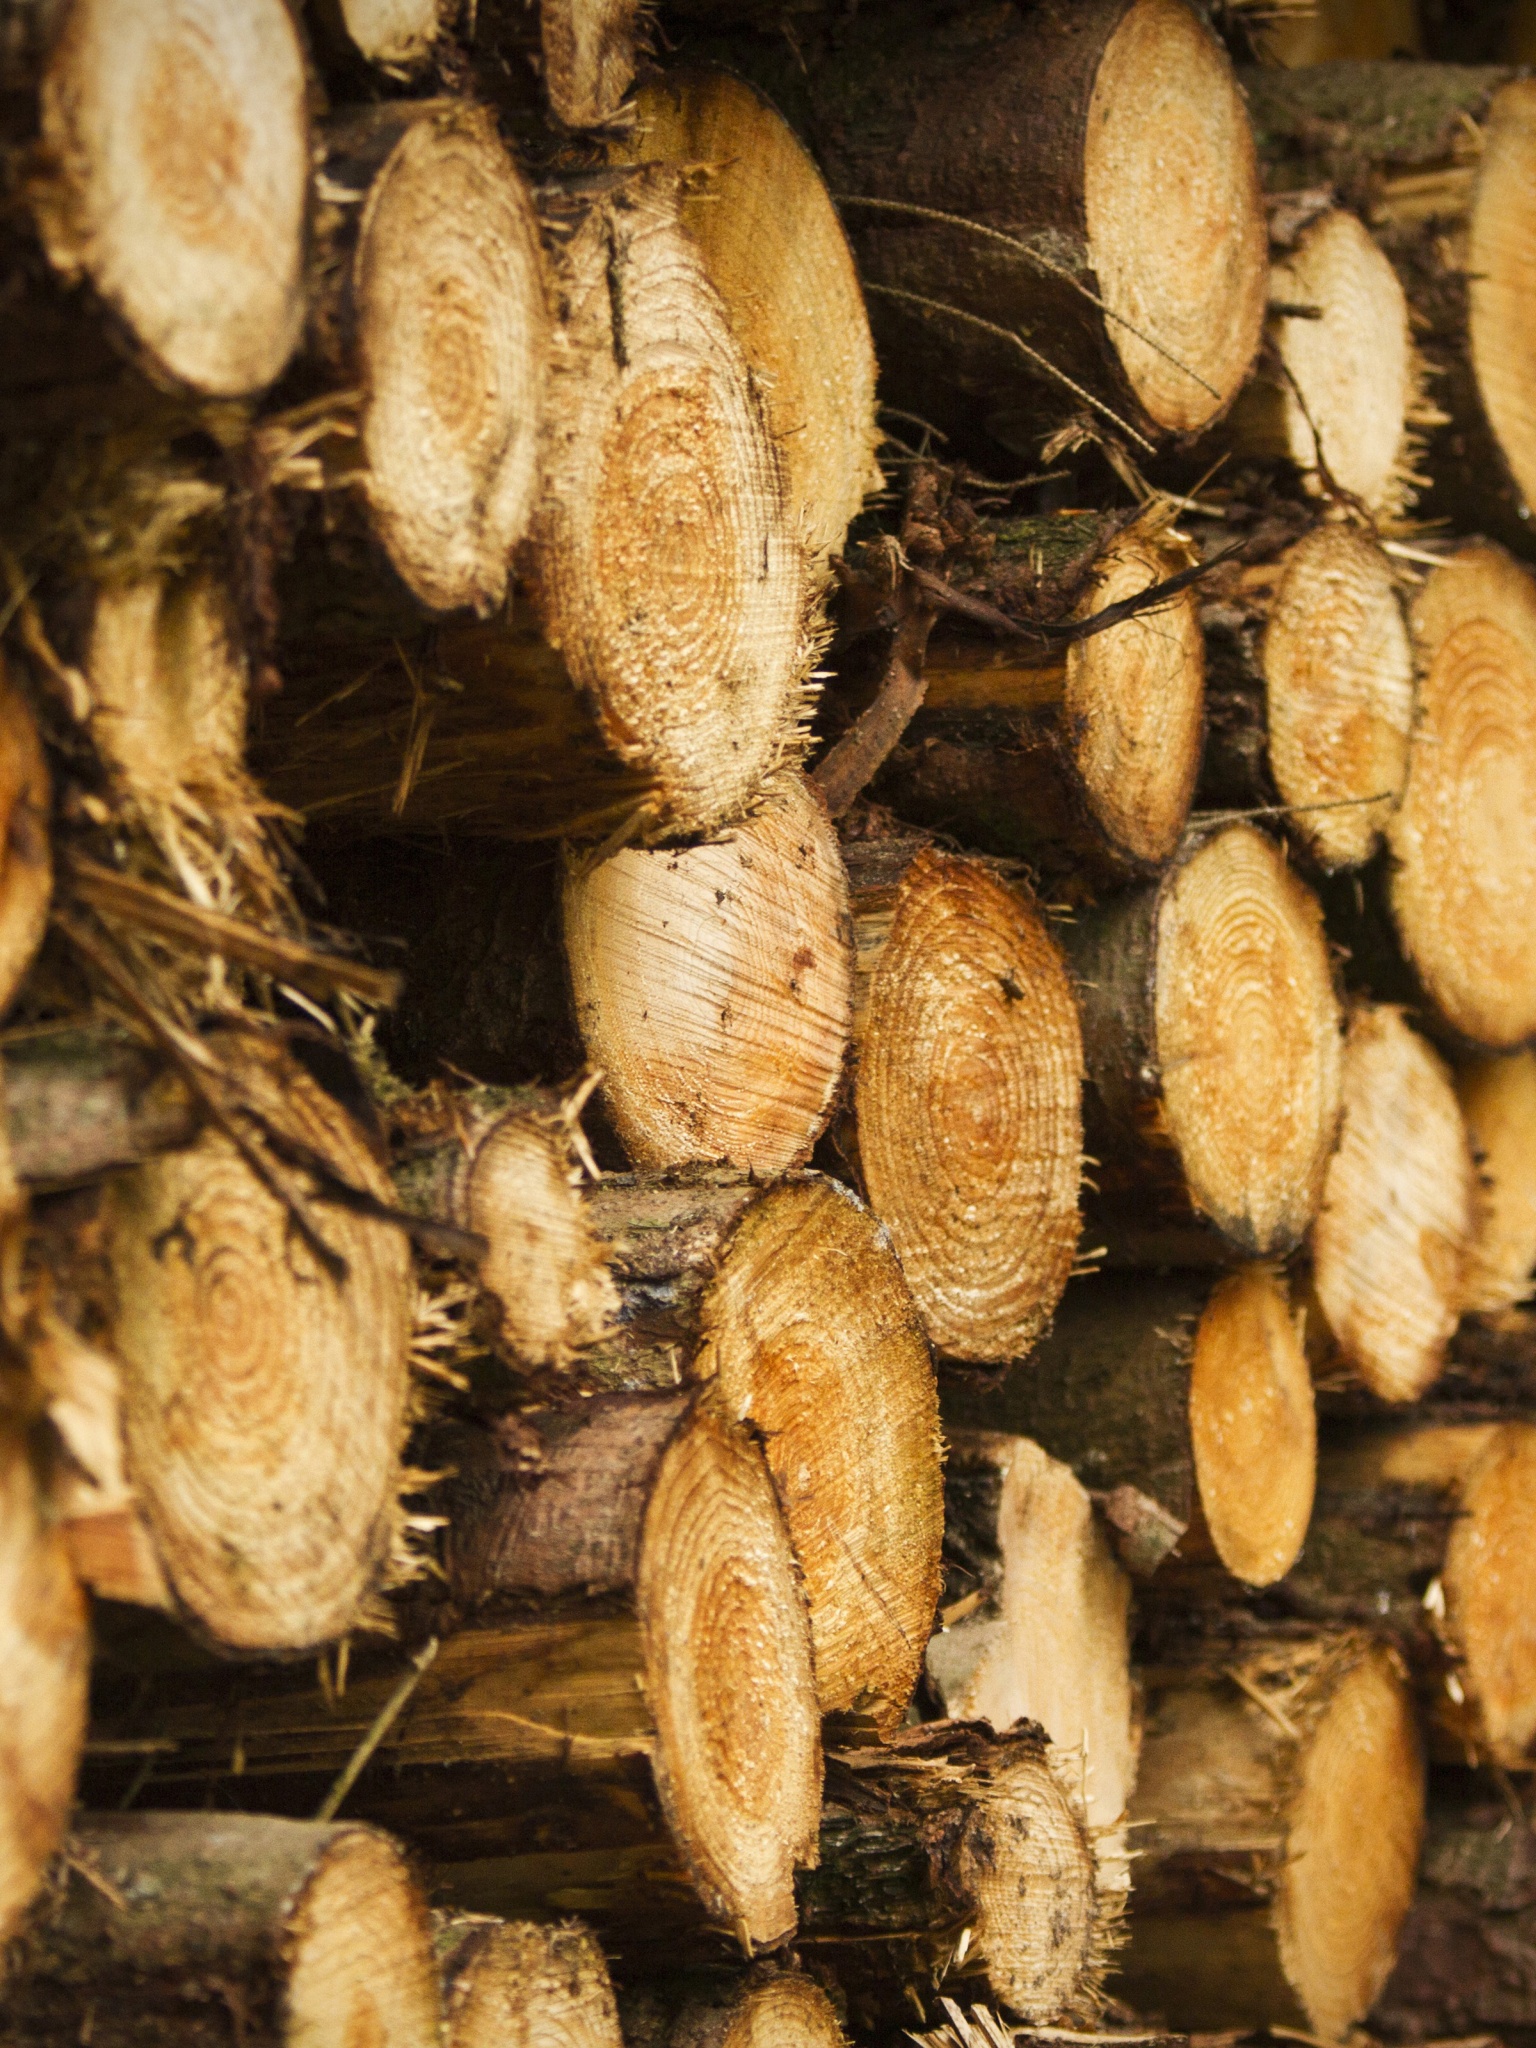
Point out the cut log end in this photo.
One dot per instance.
(1464, 836)
(969, 1102)
(397, 35)
(1498, 1101)
(26, 853)
(177, 181)
(1134, 706)
(1501, 278)
(524, 1985)
(729, 1677)
(1180, 256)
(359, 1964)
(1253, 1426)
(770, 2007)
(588, 48)
(1338, 675)
(452, 339)
(812, 1335)
(1392, 1238)
(1490, 1594)
(1248, 1039)
(713, 987)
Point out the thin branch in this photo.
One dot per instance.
(858, 756)
(385, 1719)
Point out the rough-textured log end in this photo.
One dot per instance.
(776, 253)
(265, 1395)
(1489, 1582)
(1338, 676)
(1391, 1242)
(176, 179)
(1498, 1101)
(1501, 278)
(769, 2006)
(730, 1682)
(1248, 1040)
(969, 1101)
(397, 35)
(814, 1340)
(713, 987)
(26, 852)
(523, 1985)
(588, 47)
(1464, 835)
(1253, 1426)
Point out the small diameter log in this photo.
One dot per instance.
(770, 2005)
(1392, 1239)
(265, 1388)
(1211, 1031)
(172, 175)
(1283, 1801)
(79, 1104)
(1179, 1402)
(26, 853)
(776, 252)
(1463, 882)
(431, 301)
(954, 1854)
(1090, 763)
(1498, 1102)
(44, 1671)
(967, 1093)
(1034, 1626)
(1310, 695)
(399, 36)
(713, 986)
(520, 1985)
(588, 48)
(164, 1925)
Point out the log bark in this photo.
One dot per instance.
(1184, 1403)
(771, 2005)
(511, 1984)
(1498, 1103)
(1211, 1032)
(967, 1092)
(179, 1927)
(1284, 1801)
(1310, 695)
(80, 1104)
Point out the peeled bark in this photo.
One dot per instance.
(768, 2006)
(166, 1926)
(776, 252)
(521, 1985)
(1283, 1798)
(1311, 695)
(713, 987)
(967, 1092)
(1392, 1240)
(1184, 1404)
(1498, 1102)
(1211, 1032)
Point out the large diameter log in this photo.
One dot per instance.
(1211, 1031)
(1310, 695)
(173, 176)
(1181, 1403)
(164, 1925)
(521, 1985)
(1283, 1801)
(956, 1849)
(1092, 762)
(713, 987)
(771, 2005)
(967, 1093)
(1498, 1102)
(776, 252)
(1035, 1622)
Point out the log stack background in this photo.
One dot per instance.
(768, 922)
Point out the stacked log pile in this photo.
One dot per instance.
(767, 1111)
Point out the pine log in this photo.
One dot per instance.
(771, 2005)
(967, 1092)
(1183, 1404)
(1283, 1801)
(193, 1929)
(1089, 763)
(1034, 1625)
(515, 1984)
(263, 1374)
(955, 1850)
(44, 1670)
(1394, 1234)
(713, 987)
(26, 853)
(776, 252)
(1211, 1032)
(1310, 695)
(1498, 1103)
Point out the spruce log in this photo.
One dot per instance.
(1310, 695)
(1498, 1102)
(713, 987)
(771, 2005)
(1034, 1625)
(1394, 1234)
(1089, 763)
(967, 1092)
(44, 1670)
(1182, 1403)
(520, 1985)
(1283, 1801)
(776, 252)
(26, 853)
(1211, 1032)
(183, 1928)
(954, 1831)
